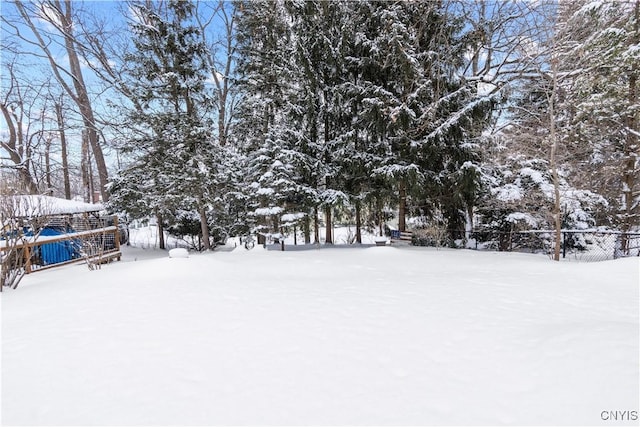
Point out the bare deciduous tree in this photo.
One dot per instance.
(58, 105)
(60, 16)
(221, 58)
(18, 142)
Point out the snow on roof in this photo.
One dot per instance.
(38, 205)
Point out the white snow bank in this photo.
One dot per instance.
(376, 336)
(178, 253)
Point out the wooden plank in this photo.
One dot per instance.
(104, 258)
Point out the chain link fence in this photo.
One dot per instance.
(579, 245)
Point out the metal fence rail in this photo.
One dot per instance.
(579, 245)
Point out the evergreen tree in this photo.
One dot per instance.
(171, 147)
(378, 112)
(267, 76)
(321, 30)
(423, 109)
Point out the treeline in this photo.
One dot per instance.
(358, 106)
(239, 117)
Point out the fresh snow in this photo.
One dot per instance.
(292, 217)
(273, 210)
(522, 216)
(334, 335)
(39, 205)
(508, 193)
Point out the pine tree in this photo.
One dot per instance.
(369, 103)
(321, 30)
(267, 76)
(171, 142)
(421, 108)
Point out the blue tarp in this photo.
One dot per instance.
(57, 252)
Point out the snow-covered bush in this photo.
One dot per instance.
(522, 196)
(431, 236)
(430, 231)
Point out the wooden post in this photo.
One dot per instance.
(116, 233)
(27, 259)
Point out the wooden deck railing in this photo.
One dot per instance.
(94, 246)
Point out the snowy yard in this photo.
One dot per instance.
(331, 336)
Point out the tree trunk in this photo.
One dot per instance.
(221, 61)
(222, 121)
(329, 226)
(402, 206)
(380, 209)
(160, 231)
(327, 158)
(95, 195)
(82, 97)
(14, 141)
(47, 165)
(468, 222)
(27, 180)
(556, 211)
(204, 227)
(554, 161)
(631, 148)
(316, 224)
(307, 229)
(84, 165)
(92, 135)
(358, 222)
(63, 148)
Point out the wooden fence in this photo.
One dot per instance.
(39, 253)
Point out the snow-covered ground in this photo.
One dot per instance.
(345, 335)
